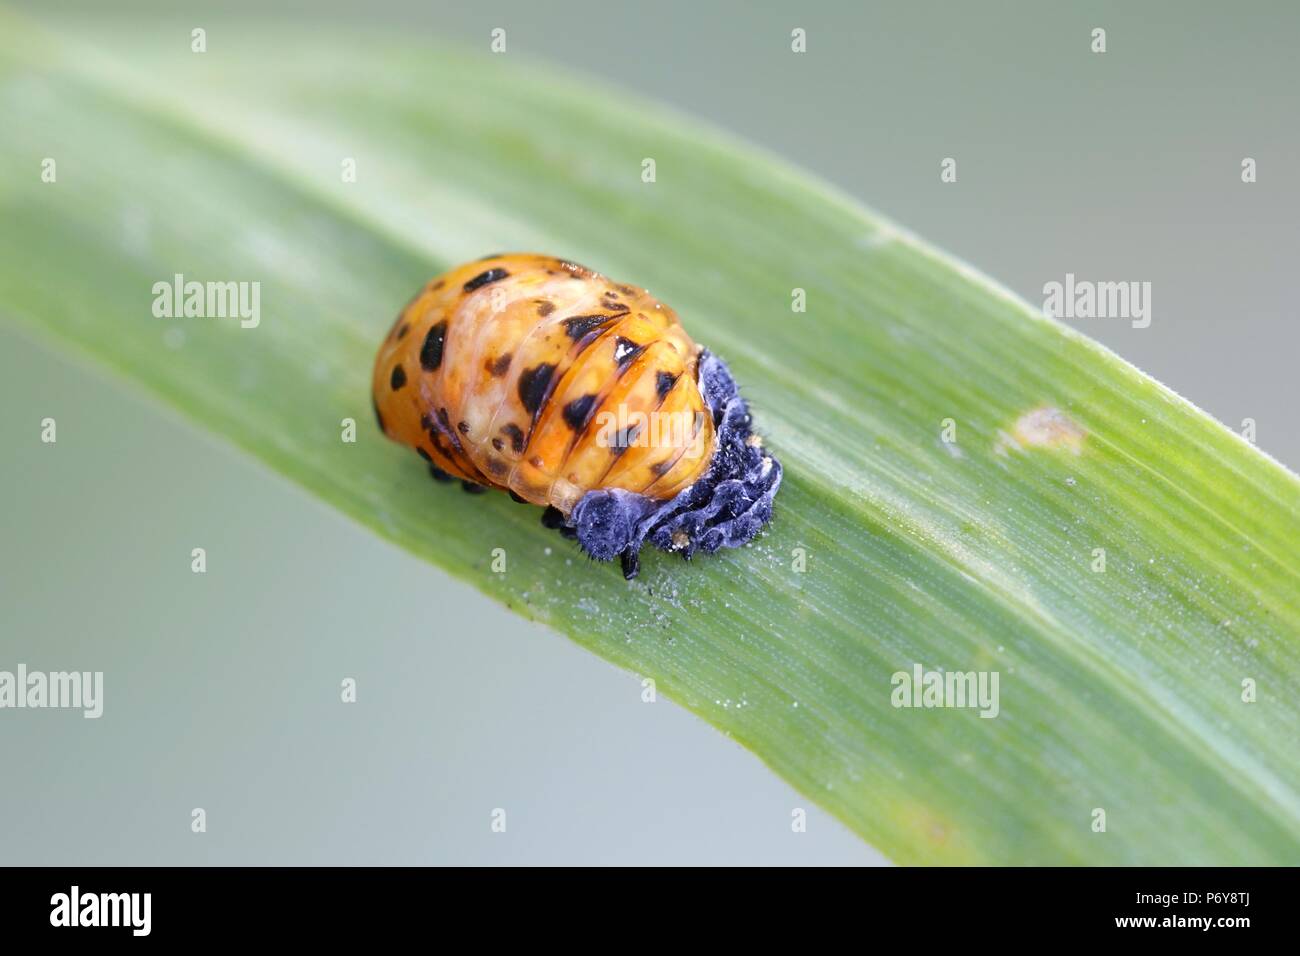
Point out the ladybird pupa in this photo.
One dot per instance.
(540, 377)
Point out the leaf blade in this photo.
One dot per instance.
(916, 554)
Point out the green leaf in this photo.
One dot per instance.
(1120, 690)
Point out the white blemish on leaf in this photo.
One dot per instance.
(1042, 427)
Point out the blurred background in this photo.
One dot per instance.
(1119, 166)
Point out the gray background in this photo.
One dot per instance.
(222, 689)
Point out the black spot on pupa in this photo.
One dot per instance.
(498, 467)
(398, 378)
(533, 383)
(625, 350)
(516, 436)
(425, 455)
(462, 427)
(483, 278)
(516, 496)
(498, 366)
(498, 444)
(579, 325)
(435, 438)
(403, 329)
(472, 488)
(431, 351)
(437, 473)
(578, 412)
(664, 382)
(445, 420)
(661, 468)
(379, 418)
(623, 440)
(553, 518)
(545, 307)
(431, 429)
